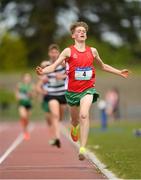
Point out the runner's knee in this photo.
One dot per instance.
(83, 116)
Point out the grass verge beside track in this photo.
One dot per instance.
(118, 148)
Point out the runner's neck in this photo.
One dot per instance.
(81, 47)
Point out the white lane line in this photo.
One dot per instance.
(92, 157)
(13, 146)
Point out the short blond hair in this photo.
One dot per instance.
(53, 46)
(78, 24)
(44, 63)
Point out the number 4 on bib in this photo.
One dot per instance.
(83, 73)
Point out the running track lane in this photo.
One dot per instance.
(8, 133)
(35, 159)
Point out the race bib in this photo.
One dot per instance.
(83, 73)
(23, 96)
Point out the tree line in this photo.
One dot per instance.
(35, 26)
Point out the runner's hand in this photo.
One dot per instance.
(124, 73)
(39, 70)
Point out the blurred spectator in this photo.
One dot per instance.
(103, 114)
(112, 103)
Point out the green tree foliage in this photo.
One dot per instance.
(112, 55)
(13, 54)
(122, 17)
(37, 21)
(6, 96)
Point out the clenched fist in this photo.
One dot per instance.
(39, 70)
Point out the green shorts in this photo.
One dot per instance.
(45, 106)
(73, 98)
(25, 103)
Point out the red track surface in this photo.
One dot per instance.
(36, 159)
(8, 133)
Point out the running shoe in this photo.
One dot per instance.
(56, 143)
(82, 153)
(26, 136)
(75, 133)
(51, 141)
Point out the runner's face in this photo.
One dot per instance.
(27, 78)
(53, 54)
(79, 34)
